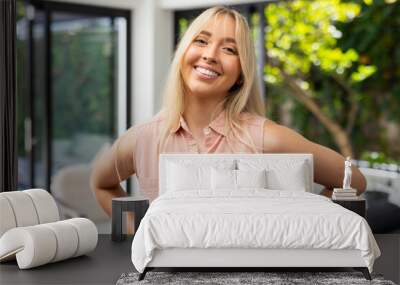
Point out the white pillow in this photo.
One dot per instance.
(188, 176)
(236, 179)
(293, 180)
(251, 178)
(223, 179)
(185, 178)
(281, 175)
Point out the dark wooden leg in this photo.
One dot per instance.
(116, 227)
(364, 271)
(143, 274)
(139, 213)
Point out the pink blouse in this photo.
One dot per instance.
(144, 154)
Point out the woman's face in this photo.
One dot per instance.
(211, 64)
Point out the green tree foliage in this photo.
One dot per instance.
(375, 35)
(302, 33)
(329, 50)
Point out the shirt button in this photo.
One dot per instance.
(206, 130)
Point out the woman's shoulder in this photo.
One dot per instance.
(279, 138)
(149, 125)
(267, 123)
(144, 131)
(275, 136)
(252, 119)
(247, 116)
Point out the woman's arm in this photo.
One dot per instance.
(112, 167)
(328, 164)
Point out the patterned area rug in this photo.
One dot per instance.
(229, 278)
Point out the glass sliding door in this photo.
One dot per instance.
(74, 97)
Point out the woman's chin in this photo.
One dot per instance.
(203, 94)
(204, 91)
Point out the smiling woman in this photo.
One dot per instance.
(214, 70)
(211, 65)
(212, 104)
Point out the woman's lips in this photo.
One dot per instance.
(205, 73)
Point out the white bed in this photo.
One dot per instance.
(201, 220)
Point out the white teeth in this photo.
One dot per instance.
(207, 72)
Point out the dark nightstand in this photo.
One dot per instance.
(357, 206)
(137, 205)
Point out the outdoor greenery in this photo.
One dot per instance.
(332, 72)
(334, 64)
(82, 58)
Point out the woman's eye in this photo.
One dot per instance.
(200, 41)
(230, 50)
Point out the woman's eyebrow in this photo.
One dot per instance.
(206, 33)
(227, 40)
(230, 40)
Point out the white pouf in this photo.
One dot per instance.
(23, 208)
(45, 205)
(30, 230)
(7, 216)
(40, 244)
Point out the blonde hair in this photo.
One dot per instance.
(245, 97)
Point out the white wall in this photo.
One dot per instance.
(152, 50)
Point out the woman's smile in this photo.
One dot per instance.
(206, 73)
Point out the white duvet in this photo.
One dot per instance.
(252, 218)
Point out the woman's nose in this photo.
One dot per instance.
(210, 54)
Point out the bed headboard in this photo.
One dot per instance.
(265, 159)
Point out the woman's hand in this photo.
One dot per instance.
(111, 168)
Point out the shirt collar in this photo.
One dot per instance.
(218, 124)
